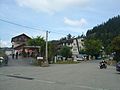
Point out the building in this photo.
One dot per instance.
(19, 41)
(76, 45)
(19, 44)
(6, 50)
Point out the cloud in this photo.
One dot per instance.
(5, 43)
(51, 5)
(72, 22)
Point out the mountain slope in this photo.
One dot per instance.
(106, 31)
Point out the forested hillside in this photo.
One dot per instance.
(105, 31)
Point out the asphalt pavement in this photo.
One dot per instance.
(81, 76)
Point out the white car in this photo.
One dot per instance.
(79, 58)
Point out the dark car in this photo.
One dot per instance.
(118, 66)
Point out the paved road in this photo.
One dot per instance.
(82, 76)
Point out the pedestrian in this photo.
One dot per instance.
(16, 55)
(28, 53)
(13, 56)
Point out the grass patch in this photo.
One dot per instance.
(66, 62)
(38, 63)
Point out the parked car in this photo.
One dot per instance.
(79, 58)
(118, 66)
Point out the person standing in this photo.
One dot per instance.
(13, 56)
(16, 55)
(28, 53)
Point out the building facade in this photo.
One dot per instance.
(76, 45)
(19, 41)
(19, 44)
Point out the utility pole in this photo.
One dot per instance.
(46, 63)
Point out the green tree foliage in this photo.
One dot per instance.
(69, 36)
(106, 31)
(116, 47)
(38, 41)
(52, 50)
(116, 43)
(82, 51)
(93, 47)
(65, 52)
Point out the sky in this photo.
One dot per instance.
(60, 17)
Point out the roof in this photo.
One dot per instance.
(20, 36)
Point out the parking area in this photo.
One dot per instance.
(82, 76)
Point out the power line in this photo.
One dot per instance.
(24, 26)
(13, 23)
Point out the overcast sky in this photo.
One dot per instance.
(61, 17)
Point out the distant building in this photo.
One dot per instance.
(8, 51)
(19, 41)
(76, 45)
(19, 44)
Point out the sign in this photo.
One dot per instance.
(38, 58)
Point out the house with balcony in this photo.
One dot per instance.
(19, 44)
